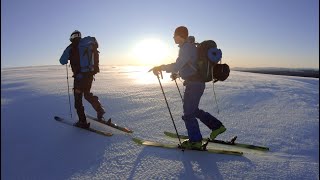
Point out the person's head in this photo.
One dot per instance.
(75, 36)
(180, 35)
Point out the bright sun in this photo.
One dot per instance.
(151, 51)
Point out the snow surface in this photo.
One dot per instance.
(280, 112)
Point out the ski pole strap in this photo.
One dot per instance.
(214, 93)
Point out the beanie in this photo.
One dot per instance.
(182, 32)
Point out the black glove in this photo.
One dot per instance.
(174, 76)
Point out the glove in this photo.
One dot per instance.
(156, 70)
(174, 76)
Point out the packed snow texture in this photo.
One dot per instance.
(280, 112)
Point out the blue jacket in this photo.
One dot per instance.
(185, 63)
(65, 56)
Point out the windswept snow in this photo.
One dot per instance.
(280, 112)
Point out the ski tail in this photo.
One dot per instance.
(110, 123)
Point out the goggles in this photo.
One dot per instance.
(75, 35)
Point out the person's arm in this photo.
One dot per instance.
(182, 60)
(65, 56)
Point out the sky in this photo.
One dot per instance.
(250, 33)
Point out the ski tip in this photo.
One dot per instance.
(168, 134)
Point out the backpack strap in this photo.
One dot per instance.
(192, 67)
(86, 53)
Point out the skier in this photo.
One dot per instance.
(83, 75)
(184, 65)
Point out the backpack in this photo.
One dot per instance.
(207, 64)
(88, 60)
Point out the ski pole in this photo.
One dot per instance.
(168, 107)
(178, 90)
(174, 77)
(68, 90)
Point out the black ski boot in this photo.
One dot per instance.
(82, 124)
(100, 114)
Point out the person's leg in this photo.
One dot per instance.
(192, 95)
(206, 118)
(78, 105)
(211, 122)
(78, 93)
(93, 100)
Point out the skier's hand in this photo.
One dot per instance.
(156, 70)
(174, 76)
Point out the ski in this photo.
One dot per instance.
(111, 124)
(173, 146)
(60, 119)
(231, 142)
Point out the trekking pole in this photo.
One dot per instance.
(174, 77)
(168, 108)
(68, 90)
(178, 90)
(214, 93)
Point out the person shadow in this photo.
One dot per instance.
(35, 146)
(178, 164)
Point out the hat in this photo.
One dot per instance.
(182, 32)
(75, 34)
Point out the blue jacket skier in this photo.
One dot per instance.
(83, 77)
(184, 65)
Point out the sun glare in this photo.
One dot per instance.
(141, 75)
(151, 51)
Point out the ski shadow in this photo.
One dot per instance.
(178, 164)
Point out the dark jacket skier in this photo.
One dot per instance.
(83, 78)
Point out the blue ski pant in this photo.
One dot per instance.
(192, 95)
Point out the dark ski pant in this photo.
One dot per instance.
(82, 87)
(192, 95)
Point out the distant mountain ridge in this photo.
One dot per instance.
(302, 72)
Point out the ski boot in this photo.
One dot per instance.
(216, 132)
(186, 144)
(100, 114)
(82, 124)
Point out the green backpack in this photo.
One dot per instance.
(207, 64)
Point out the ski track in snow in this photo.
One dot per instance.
(280, 112)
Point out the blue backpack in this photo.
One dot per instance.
(89, 55)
